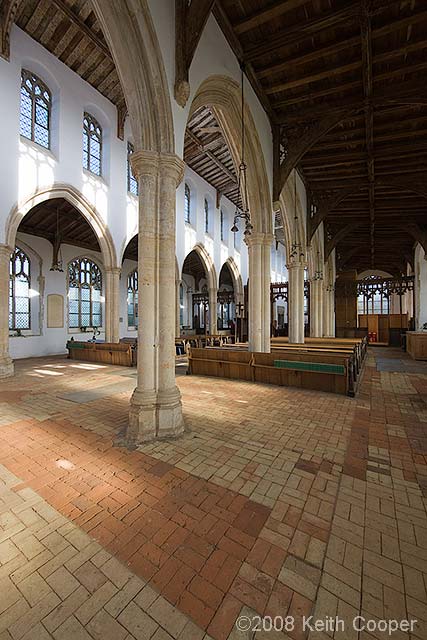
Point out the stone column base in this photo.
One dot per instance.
(142, 418)
(6, 368)
(154, 416)
(170, 421)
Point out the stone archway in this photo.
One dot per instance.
(223, 95)
(212, 282)
(132, 40)
(74, 197)
(237, 278)
(103, 235)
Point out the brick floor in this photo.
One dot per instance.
(276, 502)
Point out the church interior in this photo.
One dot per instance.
(213, 319)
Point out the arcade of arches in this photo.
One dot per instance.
(213, 319)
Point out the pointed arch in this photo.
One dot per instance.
(128, 28)
(223, 95)
(237, 278)
(78, 201)
(205, 257)
(286, 206)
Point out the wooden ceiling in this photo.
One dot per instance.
(69, 29)
(207, 153)
(74, 230)
(343, 82)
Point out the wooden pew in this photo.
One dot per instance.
(322, 371)
(102, 352)
(354, 360)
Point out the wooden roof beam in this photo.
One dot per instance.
(313, 77)
(81, 25)
(230, 175)
(234, 42)
(190, 20)
(270, 12)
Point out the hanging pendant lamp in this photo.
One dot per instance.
(242, 213)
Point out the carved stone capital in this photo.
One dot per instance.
(145, 163)
(171, 166)
(255, 238)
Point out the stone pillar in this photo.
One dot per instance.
(177, 310)
(266, 281)
(329, 311)
(213, 310)
(316, 308)
(112, 304)
(170, 422)
(6, 363)
(256, 296)
(155, 409)
(296, 302)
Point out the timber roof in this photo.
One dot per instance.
(344, 84)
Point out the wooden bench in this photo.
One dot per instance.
(322, 371)
(361, 344)
(352, 352)
(102, 352)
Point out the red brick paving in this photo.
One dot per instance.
(187, 536)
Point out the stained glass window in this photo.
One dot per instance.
(36, 102)
(19, 290)
(133, 299)
(84, 294)
(132, 181)
(221, 221)
(92, 145)
(187, 203)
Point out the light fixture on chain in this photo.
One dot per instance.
(243, 212)
(57, 254)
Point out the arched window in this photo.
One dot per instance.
(221, 223)
(92, 145)
(36, 102)
(19, 291)
(132, 181)
(84, 294)
(133, 299)
(374, 303)
(187, 203)
(206, 216)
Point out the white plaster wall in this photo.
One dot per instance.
(41, 341)
(187, 235)
(30, 168)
